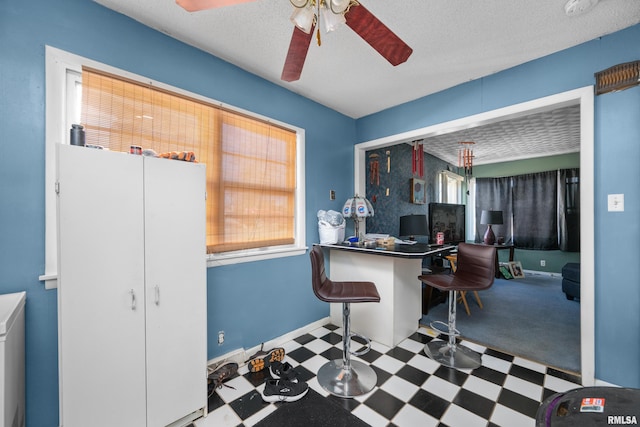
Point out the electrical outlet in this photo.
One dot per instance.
(332, 194)
(220, 337)
(543, 263)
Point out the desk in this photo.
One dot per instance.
(395, 273)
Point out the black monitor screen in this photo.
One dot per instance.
(448, 219)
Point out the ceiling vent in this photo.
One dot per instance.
(618, 77)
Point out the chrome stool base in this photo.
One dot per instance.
(356, 381)
(456, 356)
(449, 353)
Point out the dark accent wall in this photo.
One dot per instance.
(389, 209)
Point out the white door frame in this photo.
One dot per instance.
(583, 97)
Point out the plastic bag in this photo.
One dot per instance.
(331, 227)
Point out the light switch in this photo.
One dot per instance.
(616, 202)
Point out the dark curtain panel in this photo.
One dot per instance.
(494, 194)
(535, 222)
(569, 210)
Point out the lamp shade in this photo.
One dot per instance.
(357, 207)
(413, 225)
(491, 217)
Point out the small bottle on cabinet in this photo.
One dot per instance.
(77, 135)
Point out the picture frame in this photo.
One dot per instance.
(418, 191)
(515, 267)
(505, 272)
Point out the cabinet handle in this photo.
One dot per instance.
(157, 294)
(133, 299)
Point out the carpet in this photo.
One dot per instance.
(528, 317)
(313, 410)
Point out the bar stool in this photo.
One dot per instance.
(475, 272)
(346, 377)
(453, 260)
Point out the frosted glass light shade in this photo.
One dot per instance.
(303, 18)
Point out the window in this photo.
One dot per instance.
(449, 187)
(255, 165)
(539, 209)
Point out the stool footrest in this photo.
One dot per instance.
(434, 325)
(367, 345)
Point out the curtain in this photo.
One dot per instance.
(535, 223)
(569, 210)
(494, 194)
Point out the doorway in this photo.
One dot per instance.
(585, 99)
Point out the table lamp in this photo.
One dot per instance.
(413, 225)
(489, 218)
(357, 208)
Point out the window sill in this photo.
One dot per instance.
(229, 258)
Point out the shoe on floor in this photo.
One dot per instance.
(283, 390)
(283, 371)
(262, 359)
(220, 374)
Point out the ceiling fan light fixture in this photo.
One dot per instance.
(303, 18)
(339, 6)
(332, 20)
(300, 3)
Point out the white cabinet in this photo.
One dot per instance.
(132, 289)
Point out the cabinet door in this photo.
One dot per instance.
(101, 271)
(175, 269)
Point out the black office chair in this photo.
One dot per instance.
(475, 272)
(346, 377)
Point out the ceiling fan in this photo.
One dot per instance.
(307, 15)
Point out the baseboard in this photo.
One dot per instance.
(543, 273)
(240, 355)
(601, 383)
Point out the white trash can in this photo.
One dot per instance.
(12, 388)
(330, 234)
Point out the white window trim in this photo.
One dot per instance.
(59, 64)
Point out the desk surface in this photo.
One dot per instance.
(418, 250)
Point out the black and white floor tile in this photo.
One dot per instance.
(412, 390)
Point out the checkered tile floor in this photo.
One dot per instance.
(412, 390)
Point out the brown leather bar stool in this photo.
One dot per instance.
(475, 272)
(346, 377)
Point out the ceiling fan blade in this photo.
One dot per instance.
(196, 5)
(378, 35)
(297, 54)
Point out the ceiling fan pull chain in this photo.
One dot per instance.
(318, 22)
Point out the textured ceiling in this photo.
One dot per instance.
(454, 41)
(536, 135)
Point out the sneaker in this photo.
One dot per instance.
(219, 375)
(262, 359)
(283, 391)
(283, 371)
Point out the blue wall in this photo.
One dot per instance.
(617, 152)
(242, 298)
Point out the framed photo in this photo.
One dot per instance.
(417, 191)
(515, 267)
(505, 272)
